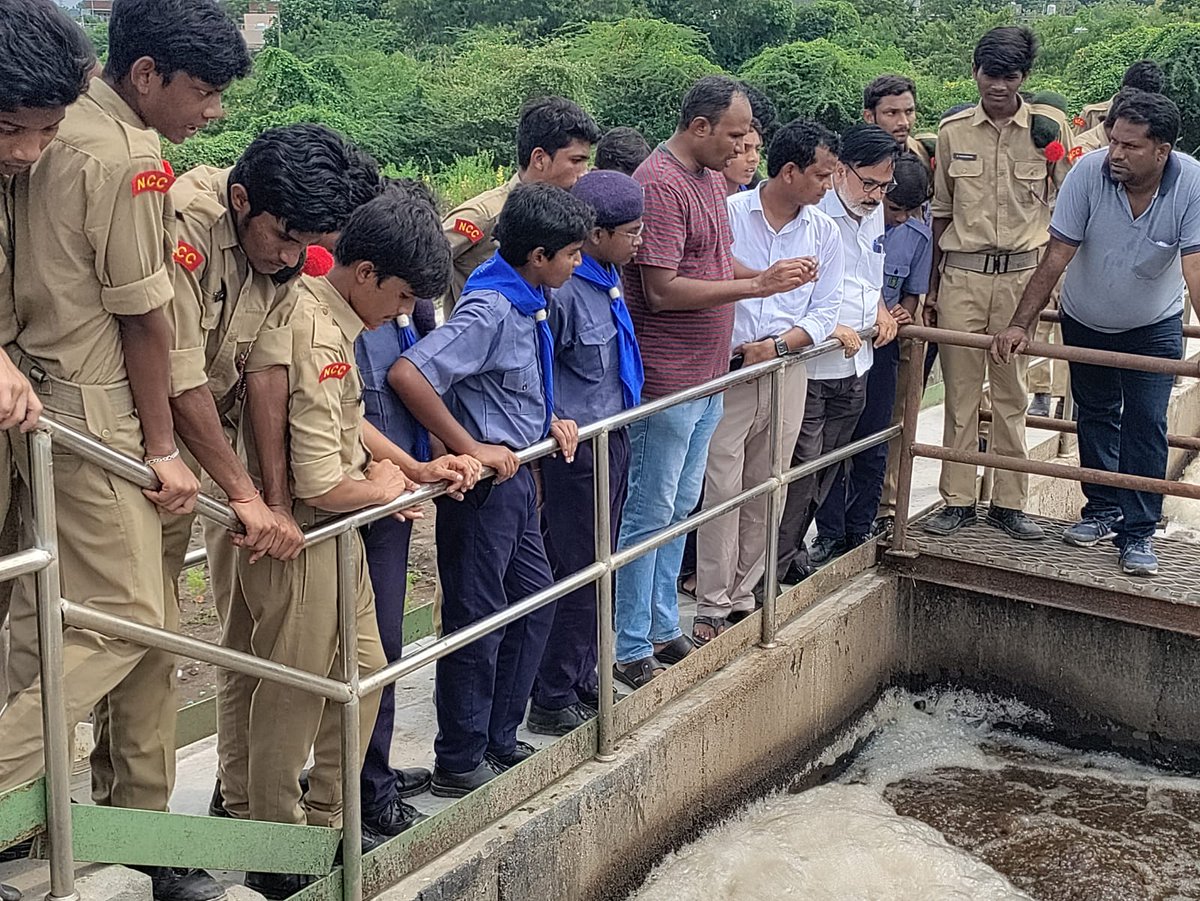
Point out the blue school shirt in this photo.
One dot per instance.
(587, 369)
(484, 363)
(907, 260)
(376, 352)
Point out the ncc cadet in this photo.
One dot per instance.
(236, 230)
(492, 362)
(391, 249)
(1144, 75)
(621, 149)
(1097, 138)
(98, 211)
(597, 373)
(890, 101)
(993, 193)
(554, 144)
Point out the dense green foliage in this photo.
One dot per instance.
(433, 86)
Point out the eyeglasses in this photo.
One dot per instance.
(635, 235)
(871, 186)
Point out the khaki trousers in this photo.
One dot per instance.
(982, 304)
(1050, 377)
(9, 542)
(110, 547)
(295, 622)
(731, 552)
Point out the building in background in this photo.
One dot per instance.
(261, 15)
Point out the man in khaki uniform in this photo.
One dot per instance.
(890, 101)
(1144, 75)
(554, 143)
(96, 216)
(391, 250)
(993, 193)
(236, 230)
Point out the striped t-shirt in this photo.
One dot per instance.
(687, 230)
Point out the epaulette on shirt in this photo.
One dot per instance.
(961, 116)
(194, 199)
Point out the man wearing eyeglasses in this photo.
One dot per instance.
(837, 383)
(993, 193)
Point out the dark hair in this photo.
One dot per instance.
(552, 123)
(762, 108)
(912, 182)
(887, 86)
(797, 142)
(300, 173)
(866, 145)
(956, 109)
(1157, 112)
(190, 36)
(622, 149)
(400, 234)
(709, 98)
(44, 56)
(1004, 50)
(1120, 97)
(363, 175)
(1145, 75)
(540, 215)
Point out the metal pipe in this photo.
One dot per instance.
(914, 387)
(24, 562)
(55, 730)
(606, 738)
(460, 638)
(1069, 427)
(883, 436)
(347, 601)
(1060, 471)
(149, 636)
(1086, 355)
(1189, 331)
(774, 511)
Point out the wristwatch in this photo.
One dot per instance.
(781, 347)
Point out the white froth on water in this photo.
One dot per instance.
(844, 841)
(1183, 514)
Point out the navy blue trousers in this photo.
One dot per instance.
(1122, 416)
(386, 541)
(568, 506)
(490, 556)
(853, 499)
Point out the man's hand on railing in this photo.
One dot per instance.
(260, 525)
(901, 315)
(178, 487)
(499, 458)
(1008, 343)
(392, 482)
(849, 338)
(460, 472)
(886, 323)
(19, 403)
(756, 351)
(567, 434)
(929, 310)
(289, 538)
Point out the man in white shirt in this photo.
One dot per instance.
(837, 382)
(778, 220)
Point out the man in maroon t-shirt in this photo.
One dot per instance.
(679, 289)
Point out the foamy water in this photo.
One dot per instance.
(843, 840)
(1183, 514)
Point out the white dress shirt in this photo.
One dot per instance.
(862, 285)
(812, 307)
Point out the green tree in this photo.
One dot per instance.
(826, 19)
(1177, 49)
(735, 31)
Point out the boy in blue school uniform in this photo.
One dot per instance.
(483, 385)
(597, 374)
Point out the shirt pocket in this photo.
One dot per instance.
(1033, 175)
(960, 168)
(894, 276)
(1153, 258)
(587, 358)
(212, 304)
(521, 387)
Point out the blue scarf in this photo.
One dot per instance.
(605, 277)
(408, 337)
(497, 275)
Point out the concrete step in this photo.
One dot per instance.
(104, 882)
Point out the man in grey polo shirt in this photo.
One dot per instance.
(1128, 222)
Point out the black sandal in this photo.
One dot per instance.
(638, 673)
(716, 623)
(675, 650)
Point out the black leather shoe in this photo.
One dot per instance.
(393, 819)
(9, 893)
(181, 884)
(216, 804)
(277, 886)
(19, 851)
(675, 650)
(412, 781)
(796, 573)
(1015, 523)
(825, 549)
(950, 519)
(459, 785)
(545, 721)
(523, 751)
(856, 539)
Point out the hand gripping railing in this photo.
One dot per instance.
(54, 611)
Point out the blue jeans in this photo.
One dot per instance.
(1122, 417)
(667, 456)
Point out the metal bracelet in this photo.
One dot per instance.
(173, 455)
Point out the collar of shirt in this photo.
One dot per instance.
(343, 314)
(112, 103)
(753, 200)
(1021, 118)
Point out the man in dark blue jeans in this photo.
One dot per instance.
(1128, 222)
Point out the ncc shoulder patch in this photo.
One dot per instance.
(468, 230)
(1074, 154)
(1079, 122)
(334, 371)
(152, 180)
(187, 256)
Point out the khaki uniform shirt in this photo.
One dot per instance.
(312, 332)
(1092, 139)
(469, 229)
(220, 302)
(916, 147)
(95, 226)
(993, 184)
(8, 313)
(1091, 116)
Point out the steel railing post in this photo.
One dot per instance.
(347, 600)
(605, 636)
(48, 592)
(775, 499)
(914, 379)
